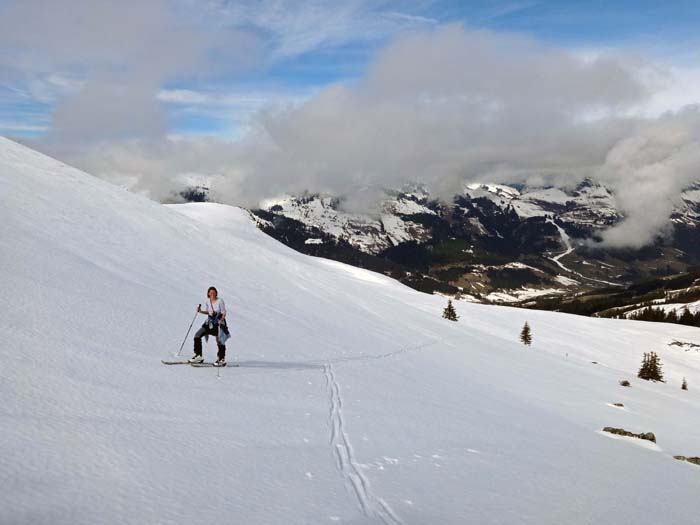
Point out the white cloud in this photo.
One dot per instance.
(677, 87)
(440, 106)
(184, 96)
(102, 62)
(445, 105)
(253, 98)
(648, 171)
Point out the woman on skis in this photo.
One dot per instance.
(215, 325)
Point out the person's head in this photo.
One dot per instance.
(212, 293)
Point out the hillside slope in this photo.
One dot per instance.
(354, 401)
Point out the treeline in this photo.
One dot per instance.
(657, 315)
(590, 304)
(612, 302)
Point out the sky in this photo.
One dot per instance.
(273, 96)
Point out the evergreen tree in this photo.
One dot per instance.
(644, 369)
(526, 335)
(656, 367)
(449, 312)
(651, 368)
(684, 385)
(686, 317)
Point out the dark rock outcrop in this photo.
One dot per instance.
(649, 436)
(694, 460)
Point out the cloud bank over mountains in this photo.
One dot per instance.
(451, 104)
(648, 170)
(442, 104)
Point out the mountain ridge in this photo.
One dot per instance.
(419, 240)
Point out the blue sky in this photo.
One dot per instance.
(292, 49)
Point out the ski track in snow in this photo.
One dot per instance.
(372, 506)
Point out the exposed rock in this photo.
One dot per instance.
(618, 404)
(624, 382)
(694, 460)
(648, 436)
(686, 345)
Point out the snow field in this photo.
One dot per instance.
(354, 401)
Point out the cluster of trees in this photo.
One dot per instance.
(651, 370)
(660, 316)
(651, 367)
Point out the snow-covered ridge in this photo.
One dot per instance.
(371, 233)
(498, 190)
(354, 402)
(588, 204)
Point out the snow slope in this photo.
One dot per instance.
(354, 401)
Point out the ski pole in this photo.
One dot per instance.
(187, 334)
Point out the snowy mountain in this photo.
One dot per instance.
(354, 401)
(688, 212)
(588, 204)
(369, 233)
(494, 243)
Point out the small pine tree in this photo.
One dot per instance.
(526, 334)
(644, 372)
(656, 367)
(684, 385)
(449, 312)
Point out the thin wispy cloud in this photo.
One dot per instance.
(507, 9)
(14, 127)
(15, 91)
(295, 28)
(251, 99)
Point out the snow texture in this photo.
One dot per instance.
(355, 402)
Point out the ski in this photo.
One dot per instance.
(206, 365)
(199, 365)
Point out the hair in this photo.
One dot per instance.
(215, 291)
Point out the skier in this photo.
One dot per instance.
(215, 325)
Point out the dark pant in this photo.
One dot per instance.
(198, 341)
